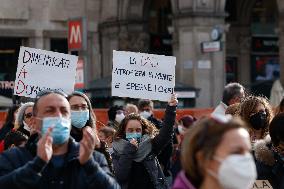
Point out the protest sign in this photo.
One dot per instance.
(262, 184)
(140, 75)
(39, 70)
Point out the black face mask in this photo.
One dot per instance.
(258, 120)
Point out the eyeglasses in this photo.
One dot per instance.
(28, 115)
(76, 107)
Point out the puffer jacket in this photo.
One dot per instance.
(269, 164)
(20, 168)
(147, 173)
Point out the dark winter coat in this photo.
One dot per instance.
(269, 164)
(77, 135)
(165, 156)
(147, 173)
(20, 168)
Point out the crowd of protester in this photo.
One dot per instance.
(54, 142)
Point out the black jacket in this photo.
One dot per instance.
(148, 173)
(77, 135)
(165, 155)
(19, 168)
(269, 164)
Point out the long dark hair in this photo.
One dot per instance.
(92, 117)
(147, 126)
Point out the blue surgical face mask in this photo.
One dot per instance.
(136, 136)
(61, 128)
(79, 118)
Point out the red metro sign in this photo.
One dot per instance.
(75, 35)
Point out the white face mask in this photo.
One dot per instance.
(119, 117)
(181, 129)
(145, 114)
(236, 172)
(26, 126)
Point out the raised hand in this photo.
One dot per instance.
(134, 142)
(173, 101)
(44, 146)
(87, 145)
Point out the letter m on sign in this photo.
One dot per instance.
(75, 35)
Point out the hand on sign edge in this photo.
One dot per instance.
(173, 101)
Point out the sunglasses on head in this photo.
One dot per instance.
(28, 115)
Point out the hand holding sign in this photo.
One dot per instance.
(173, 101)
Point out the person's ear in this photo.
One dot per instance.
(200, 159)
(202, 162)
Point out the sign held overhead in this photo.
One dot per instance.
(140, 75)
(39, 70)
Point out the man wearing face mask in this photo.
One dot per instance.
(58, 161)
(115, 116)
(145, 109)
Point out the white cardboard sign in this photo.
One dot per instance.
(140, 75)
(40, 69)
(262, 184)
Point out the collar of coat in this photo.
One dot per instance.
(263, 152)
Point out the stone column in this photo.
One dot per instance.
(244, 63)
(191, 30)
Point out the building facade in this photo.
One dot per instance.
(251, 39)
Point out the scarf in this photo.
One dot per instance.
(144, 147)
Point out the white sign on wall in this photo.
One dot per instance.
(140, 75)
(39, 70)
(204, 64)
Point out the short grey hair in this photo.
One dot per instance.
(21, 113)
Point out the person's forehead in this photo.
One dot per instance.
(77, 100)
(52, 99)
(133, 124)
(236, 138)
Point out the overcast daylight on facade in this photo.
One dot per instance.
(247, 33)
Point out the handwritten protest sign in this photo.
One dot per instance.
(262, 184)
(39, 70)
(139, 75)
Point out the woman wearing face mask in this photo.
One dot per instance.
(136, 146)
(269, 154)
(24, 119)
(82, 115)
(216, 154)
(257, 113)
